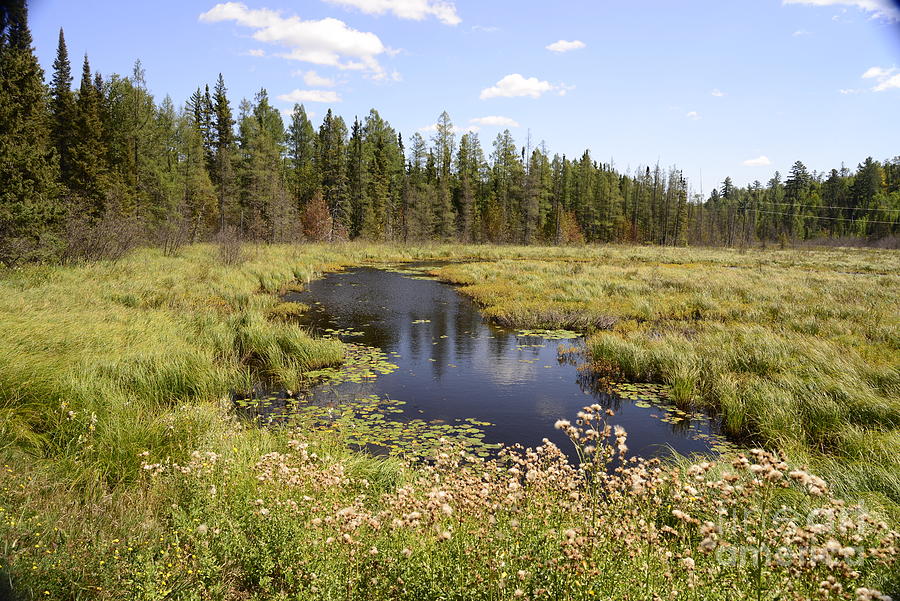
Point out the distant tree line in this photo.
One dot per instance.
(90, 171)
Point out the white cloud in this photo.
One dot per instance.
(693, 115)
(801, 33)
(514, 85)
(416, 10)
(473, 129)
(882, 9)
(495, 121)
(876, 72)
(310, 96)
(288, 114)
(324, 42)
(565, 46)
(886, 79)
(847, 91)
(717, 93)
(888, 84)
(313, 79)
(256, 52)
(760, 161)
(485, 28)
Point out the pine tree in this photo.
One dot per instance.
(304, 180)
(28, 169)
(357, 163)
(62, 107)
(331, 161)
(224, 152)
(88, 152)
(796, 195)
(444, 143)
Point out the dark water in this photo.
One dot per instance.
(452, 365)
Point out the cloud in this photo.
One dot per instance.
(288, 114)
(886, 79)
(514, 85)
(324, 42)
(565, 46)
(495, 121)
(485, 28)
(310, 96)
(760, 161)
(693, 115)
(473, 129)
(801, 33)
(415, 10)
(313, 79)
(256, 52)
(879, 9)
(847, 91)
(717, 93)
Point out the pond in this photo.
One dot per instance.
(423, 363)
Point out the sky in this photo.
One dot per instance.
(718, 88)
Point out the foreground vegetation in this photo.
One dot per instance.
(127, 475)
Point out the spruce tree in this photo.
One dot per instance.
(304, 180)
(62, 107)
(331, 160)
(87, 150)
(28, 168)
(222, 174)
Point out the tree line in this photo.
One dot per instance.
(89, 170)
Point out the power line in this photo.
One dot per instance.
(787, 204)
(820, 217)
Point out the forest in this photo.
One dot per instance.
(94, 170)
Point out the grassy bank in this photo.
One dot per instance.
(127, 476)
(798, 350)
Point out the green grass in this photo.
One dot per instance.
(126, 474)
(796, 350)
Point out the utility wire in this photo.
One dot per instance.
(787, 204)
(820, 217)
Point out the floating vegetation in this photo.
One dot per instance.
(342, 333)
(549, 334)
(361, 363)
(363, 422)
(646, 395)
(641, 390)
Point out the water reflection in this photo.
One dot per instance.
(452, 365)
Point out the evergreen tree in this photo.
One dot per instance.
(444, 142)
(28, 169)
(224, 152)
(796, 195)
(88, 151)
(304, 180)
(62, 107)
(331, 161)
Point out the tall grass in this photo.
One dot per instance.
(125, 474)
(795, 350)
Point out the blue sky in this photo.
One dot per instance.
(729, 87)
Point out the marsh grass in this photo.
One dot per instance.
(797, 350)
(127, 475)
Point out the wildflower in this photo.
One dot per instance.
(202, 529)
(406, 552)
(562, 424)
(688, 563)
